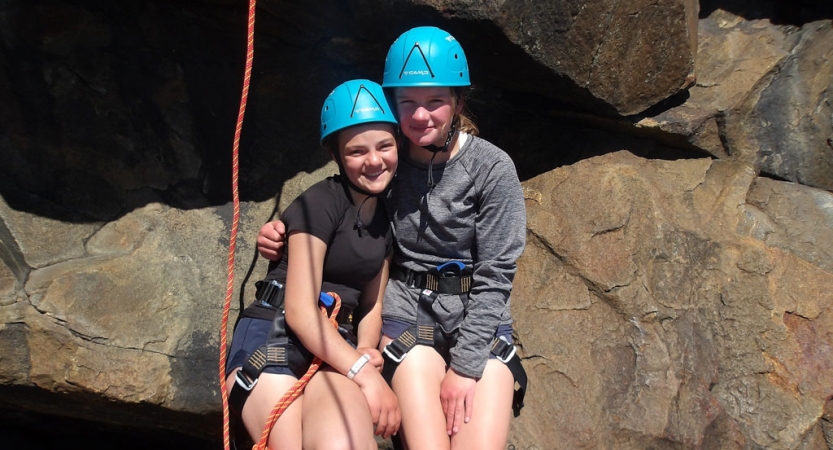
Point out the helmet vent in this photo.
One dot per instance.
(356, 100)
(424, 59)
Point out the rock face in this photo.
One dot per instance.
(770, 108)
(592, 45)
(676, 287)
(648, 319)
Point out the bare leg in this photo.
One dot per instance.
(340, 418)
(286, 434)
(416, 383)
(489, 425)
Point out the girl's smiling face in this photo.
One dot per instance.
(426, 113)
(369, 155)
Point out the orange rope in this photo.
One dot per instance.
(298, 387)
(235, 221)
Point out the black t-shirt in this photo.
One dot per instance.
(354, 254)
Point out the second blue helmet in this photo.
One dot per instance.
(426, 56)
(354, 102)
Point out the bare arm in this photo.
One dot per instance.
(369, 329)
(304, 275)
(303, 281)
(386, 412)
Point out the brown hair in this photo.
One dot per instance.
(464, 122)
(330, 144)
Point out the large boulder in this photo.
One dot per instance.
(584, 50)
(657, 317)
(762, 97)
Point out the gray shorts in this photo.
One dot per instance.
(393, 328)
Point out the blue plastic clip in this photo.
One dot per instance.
(326, 299)
(460, 266)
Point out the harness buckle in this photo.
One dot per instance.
(394, 352)
(244, 382)
(272, 295)
(508, 357)
(503, 350)
(450, 269)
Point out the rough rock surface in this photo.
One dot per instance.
(662, 318)
(675, 292)
(762, 97)
(591, 45)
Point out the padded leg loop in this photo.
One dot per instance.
(507, 354)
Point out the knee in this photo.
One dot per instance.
(348, 443)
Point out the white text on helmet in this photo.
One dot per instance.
(368, 109)
(416, 72)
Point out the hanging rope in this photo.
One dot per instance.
(250, 51)
(299, 385)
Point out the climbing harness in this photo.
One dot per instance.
(282, 347)
(326, 301)
(449, 278)
(247, 76)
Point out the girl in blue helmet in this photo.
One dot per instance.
(457, 210)
(339, 240)
(458, 214)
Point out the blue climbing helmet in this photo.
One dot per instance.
(354, 102)
(426, 56)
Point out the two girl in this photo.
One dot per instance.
(457, 211)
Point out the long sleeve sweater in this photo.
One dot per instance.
(474, 214)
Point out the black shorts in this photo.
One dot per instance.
(250, 334)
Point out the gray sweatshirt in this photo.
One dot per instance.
(474, 214)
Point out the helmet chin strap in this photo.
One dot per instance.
(347, 184)
(437, 149)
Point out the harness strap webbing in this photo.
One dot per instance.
(434, 281)
(427, 332)
(396, 351)
(507, 354)
(277, 351)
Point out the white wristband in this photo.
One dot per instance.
(357, 366)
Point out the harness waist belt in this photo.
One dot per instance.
(271, 294)
(432, 280)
